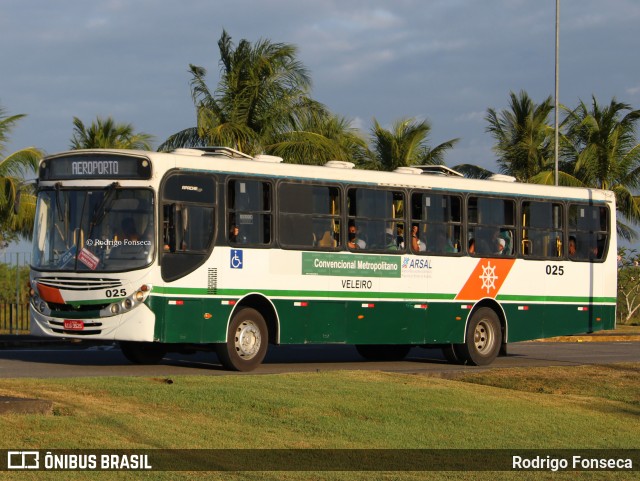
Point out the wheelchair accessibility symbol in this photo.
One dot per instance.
(236, 259)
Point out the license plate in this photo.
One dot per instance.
(73, 325)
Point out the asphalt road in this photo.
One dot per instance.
(107, 360)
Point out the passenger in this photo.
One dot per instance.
(500, 246)
(472, 246)
(400, 238)
(233, 233)
(390, 240)
(572, 247)
(416, 244)
(354, 242)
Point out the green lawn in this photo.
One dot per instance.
(552, 408)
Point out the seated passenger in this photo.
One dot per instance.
(354, 242)
(416, 244)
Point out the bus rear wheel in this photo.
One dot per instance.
(247, 341)
(143, 352)
(383, 352)
(483, 340)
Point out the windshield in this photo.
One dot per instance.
(100, 230)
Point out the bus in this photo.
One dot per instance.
(212, 249)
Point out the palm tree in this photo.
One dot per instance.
(107, 134)
(17, 200)
(603, 152)
(263, 91)
(318, 139)
(404, 145)
(524, 140)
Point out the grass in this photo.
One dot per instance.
(593, 407)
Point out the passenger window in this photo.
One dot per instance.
(542, 230)
(309, 216)
(588, 232)
(249, 212)
(376, 219)
(435, 223)
(491, 226)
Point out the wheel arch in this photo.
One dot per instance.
(266, 308)
(497, 308)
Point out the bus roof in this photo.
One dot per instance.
(227, 160)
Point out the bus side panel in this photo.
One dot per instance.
(524, 320)
(578, 318)
(377, 322)
(446, 323)
(189, 319)
(312, 321)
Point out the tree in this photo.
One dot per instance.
(524, 140)
(603, 152)
(17, 199)
(262, 94)
(318, 140)
(404, 145)
(628, 285)
(107, 134)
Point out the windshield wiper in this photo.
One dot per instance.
(58, 205)
(101, 211)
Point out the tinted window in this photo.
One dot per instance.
(249, 212)
(435, 223)
(309, 216)
(588, 232)
(376, 219)
(491, 226)
(542, 229)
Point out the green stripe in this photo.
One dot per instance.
(202, 292)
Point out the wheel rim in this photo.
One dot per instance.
(247, 340)
(483, 337)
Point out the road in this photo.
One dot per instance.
(107, 360)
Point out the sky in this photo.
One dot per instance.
(445, 61)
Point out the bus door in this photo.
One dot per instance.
(186, 234)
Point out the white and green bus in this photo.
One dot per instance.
(211, 249)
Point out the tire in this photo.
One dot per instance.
(383, 352)
(247, 341)
(483, 339)
(143, 352)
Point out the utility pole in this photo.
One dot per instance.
(557, 88)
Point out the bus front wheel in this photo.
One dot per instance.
(247, 341)
(143, 352)
(483, 340)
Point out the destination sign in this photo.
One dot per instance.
(95, 166)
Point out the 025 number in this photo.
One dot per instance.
(555, 270)
(116, 292)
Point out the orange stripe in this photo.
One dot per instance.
(50, 294)
(486, 279)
